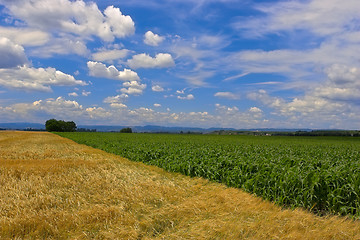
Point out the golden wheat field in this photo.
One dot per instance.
(53, 188)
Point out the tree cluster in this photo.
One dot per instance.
(126, 130)
(53, 125)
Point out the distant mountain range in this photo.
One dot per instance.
(21, 126)
(148, 128)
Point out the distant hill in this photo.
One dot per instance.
(162, 129)
(151, 129)
(111, 128)
(22, 126)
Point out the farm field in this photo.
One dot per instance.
(321, 174)
(54, 188)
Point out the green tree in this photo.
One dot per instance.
(126, 130)
(53, 125)
(69, 126)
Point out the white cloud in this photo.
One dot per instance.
(152, 39)
(76, 17)
(321, 17)
(38, 79)
(117, 101)
(198, 59)
(98, 69)
(85, 93)
(42, 110)
(197, 79)
(157, 88)
(212, 41)
(343, 75)
(161, 60)
(157, 105)
(236, 76)
(133, 88)
(232, 116)
(97, 113)
(120, 25)
(255, 110)
(262, 96)
(227, 95)
(110, 55)
(12, 55)
(226, 109)
(25, 36)
(299, 65)
(73, 94)
(63, 46)
(224, 116)
(118, 105)
(329, 27)
(59, 107)
(187, 97)
(317, 108)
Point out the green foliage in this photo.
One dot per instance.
(321, 174)
(53, 125)
(126, 130)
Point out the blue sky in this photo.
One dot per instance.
(193, 63)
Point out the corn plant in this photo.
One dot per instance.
(321, 174)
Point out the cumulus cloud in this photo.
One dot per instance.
(226, 109)
(316, 108)
(73, 94)
(36, 79)
(117, 101)
(76, 17)
(60, 107)
(98, 69)
(12, 55)
(97, 113)
(41, 110)
(25, 36)
(187, 97)
(85, 93)
(152, 39)
(110, 55)
(227, 95)
(133, 88)
(157, 88)
(343, 75)
(255, 110)
(232, 116)
(262, 96)
(157, 105)
(161, 60)
(61, 46)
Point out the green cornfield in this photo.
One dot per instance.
(321, 174)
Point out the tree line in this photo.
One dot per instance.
(53, 125)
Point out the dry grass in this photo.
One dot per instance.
(53, 188)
